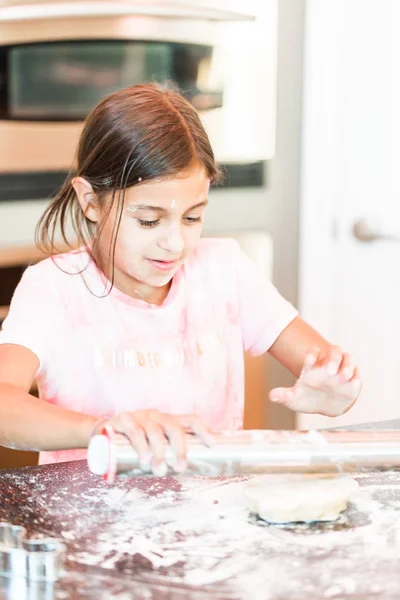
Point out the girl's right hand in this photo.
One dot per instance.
(150, 432)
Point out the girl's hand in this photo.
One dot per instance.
(150, 432)
(328, 385)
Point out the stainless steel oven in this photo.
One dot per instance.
(58, 59)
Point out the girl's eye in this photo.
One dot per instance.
(193, 220)
(148, 223)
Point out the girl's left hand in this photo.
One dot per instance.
(328, 384)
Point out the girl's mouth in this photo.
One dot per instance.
(163, 265)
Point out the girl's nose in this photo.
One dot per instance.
(172, 243)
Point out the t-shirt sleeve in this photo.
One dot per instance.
(264, 312)
(30, 319)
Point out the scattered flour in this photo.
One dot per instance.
(196, 531)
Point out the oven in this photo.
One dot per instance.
(58, 59)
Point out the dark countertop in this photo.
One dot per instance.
(148, 538)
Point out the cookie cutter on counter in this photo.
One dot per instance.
(36, 559)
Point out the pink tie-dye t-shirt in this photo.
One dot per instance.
(102, 354)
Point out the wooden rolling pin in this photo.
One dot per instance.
(265, 451)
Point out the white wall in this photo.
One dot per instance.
(350, 290)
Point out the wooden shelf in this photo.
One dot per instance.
(25, 255)
(3, 312)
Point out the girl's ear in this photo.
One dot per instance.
(87, 199)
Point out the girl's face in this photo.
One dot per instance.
(160, 227)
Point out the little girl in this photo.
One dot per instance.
(145, 322)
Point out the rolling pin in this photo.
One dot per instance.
(258, 451)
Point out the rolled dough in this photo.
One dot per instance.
(299, 497)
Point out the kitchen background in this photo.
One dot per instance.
(298, 97)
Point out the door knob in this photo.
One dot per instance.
(363, 231)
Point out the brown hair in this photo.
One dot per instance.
(137, 134)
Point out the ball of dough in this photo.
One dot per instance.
(299, 497)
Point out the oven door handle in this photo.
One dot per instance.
(57, 10)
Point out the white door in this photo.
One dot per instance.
(350, 289)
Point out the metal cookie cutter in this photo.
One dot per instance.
(37, 559)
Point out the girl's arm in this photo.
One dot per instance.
(292, 345)
(28, 423)
(328, 381)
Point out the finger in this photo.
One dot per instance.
(156, 437)
(346, 369)
(282, 396)
(333, 360)
(139, 442)
(357, 382)
(311, 358)
(350, 406)
(175, 433)
(194, 424)
(127, 425)
(177, 438)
